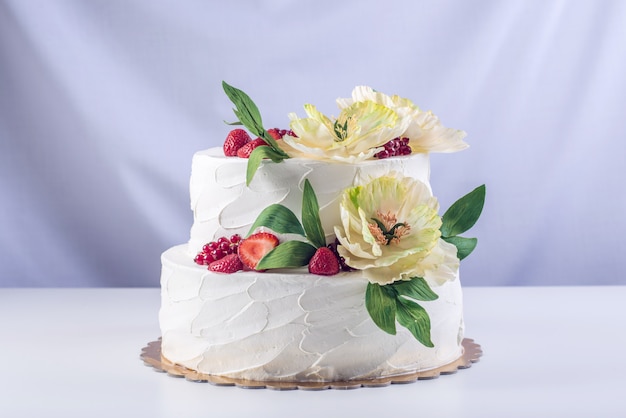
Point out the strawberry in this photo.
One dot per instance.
(324, 262)
(246, 150)
(275, 133)
(236, 139)
(228, 264)
(279, 133)
(254, 248)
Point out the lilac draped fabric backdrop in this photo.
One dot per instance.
(103, 103)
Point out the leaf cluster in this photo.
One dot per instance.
(282, 220)
(249, 116)
(460, 217)
(397, 301)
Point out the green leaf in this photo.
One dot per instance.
(279, 219)
(381, 305)
(271, 142)
(417, 288)
(311, 217)
(250, 117)
(247, 112)
(464, 213)
(257, 155)
(290, 254)
(464, 246)
(414, 318)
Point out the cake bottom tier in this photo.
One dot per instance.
(293, 326)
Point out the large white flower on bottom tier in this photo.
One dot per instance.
(390, 231)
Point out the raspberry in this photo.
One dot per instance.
(236, 139)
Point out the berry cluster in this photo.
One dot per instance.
(394, 148)
(216, 250)
(235, 254)
(239, 144)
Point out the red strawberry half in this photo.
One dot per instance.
(324, 262)
(229, 264)
(236, 139)
(254, 248)
(246, 150)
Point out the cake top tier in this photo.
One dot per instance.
(223, 205)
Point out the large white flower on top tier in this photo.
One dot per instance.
(360, 130)
(390, 231)
(424, 130)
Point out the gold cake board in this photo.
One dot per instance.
(151, 356)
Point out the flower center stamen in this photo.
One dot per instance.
(387, 230)
(343, 125)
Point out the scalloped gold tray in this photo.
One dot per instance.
(151, 356)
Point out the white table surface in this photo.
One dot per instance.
(548, 352)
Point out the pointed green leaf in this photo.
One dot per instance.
(464, 246)
(271, 142)
(417, 288)
(279, 219)
(250, 117)
(257, 155)
(381, 305)
(290, 254)
(464, 213)
(247, 112)
(311, 217)
(414, 318)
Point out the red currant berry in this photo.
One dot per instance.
(218, 254)
(199, 259)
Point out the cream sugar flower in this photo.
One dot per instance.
(425, 131)
(360, 130)
(390, 231)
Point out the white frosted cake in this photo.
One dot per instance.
(336, 264)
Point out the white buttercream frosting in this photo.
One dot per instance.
(288, 325)
(222, 204)
(293, 326)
